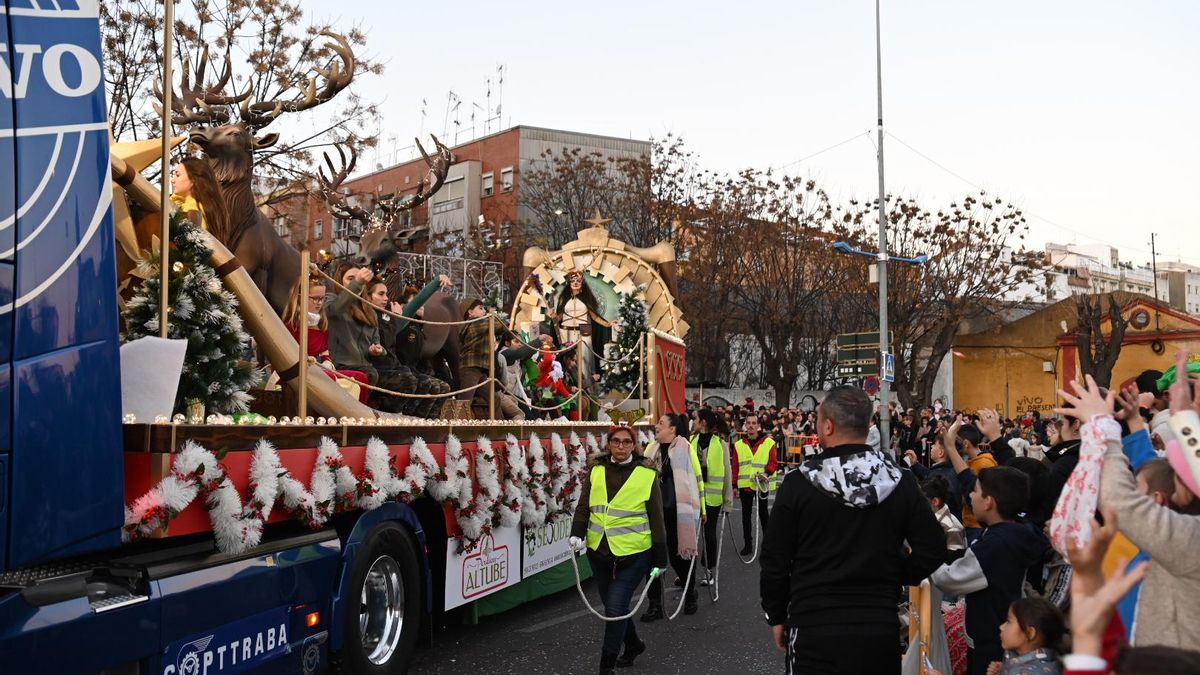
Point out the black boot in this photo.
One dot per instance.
(654, 613)
(690, 606)
(633, 648)
(608, 663)
(747, 550)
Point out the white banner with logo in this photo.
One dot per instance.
(545, 547)
(494, 564)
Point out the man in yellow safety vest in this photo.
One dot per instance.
(716, 488)
(755, 461)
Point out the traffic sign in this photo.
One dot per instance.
(888, 361)
(871, 385)
(857, 370)
(858, 347)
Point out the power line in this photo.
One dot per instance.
(835, 145)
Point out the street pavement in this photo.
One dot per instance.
(556, 634)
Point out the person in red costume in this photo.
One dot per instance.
(313, 316)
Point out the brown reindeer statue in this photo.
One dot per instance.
(229, 146)
(379, 248)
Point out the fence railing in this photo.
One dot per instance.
(471, 278)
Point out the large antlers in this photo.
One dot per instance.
(337, 77)
(389, 207)
(196, 104)
(439, 165)
(329, 187)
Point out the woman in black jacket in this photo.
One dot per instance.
(623, 487)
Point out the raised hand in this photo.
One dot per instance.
(1130, 409)
(1181, 390)
(1087, 401)
(989, 424)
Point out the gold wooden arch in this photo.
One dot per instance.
(612, 260)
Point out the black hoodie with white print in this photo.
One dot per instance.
(835, 548)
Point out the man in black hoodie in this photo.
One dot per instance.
(833, 556)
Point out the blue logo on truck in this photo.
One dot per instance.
(234, 648)
(57, 72)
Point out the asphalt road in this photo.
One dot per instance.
(556, 634)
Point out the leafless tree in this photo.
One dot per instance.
(1098, 353)
(273, 48)
(976, 262)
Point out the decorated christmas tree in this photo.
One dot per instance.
(624, 353)
(202, 312)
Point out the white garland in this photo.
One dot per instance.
(517, 475)
(593, 448)
(449, 479)
(487, 474)
(238, 527)
(560, 474)
(578, 468)
(535, 502)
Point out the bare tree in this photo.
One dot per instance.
(273, 50)
(646, 197)
(976, 262)
(1098, 353)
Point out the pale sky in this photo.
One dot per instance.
(1082, 113)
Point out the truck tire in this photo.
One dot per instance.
(383, 603)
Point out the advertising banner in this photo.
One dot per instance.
(545, 547)
(494, 564)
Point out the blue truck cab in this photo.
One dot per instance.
(73, 599)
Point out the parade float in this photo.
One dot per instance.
(200, 541)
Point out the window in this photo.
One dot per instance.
(506, 179)
(488, 184)
(319, 229)
(450, 197)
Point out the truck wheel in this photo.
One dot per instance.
(383, 607)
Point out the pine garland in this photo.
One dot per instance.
(621, 371)
(201, 312)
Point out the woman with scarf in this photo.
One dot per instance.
(619, 521)
(680, 479)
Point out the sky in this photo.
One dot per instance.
(1083, 114)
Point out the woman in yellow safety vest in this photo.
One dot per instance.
(619, 520)
(680, 478)
(708, 445)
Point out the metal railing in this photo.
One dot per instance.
(471, 278)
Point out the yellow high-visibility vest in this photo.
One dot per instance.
(751, 463)
(714, 460)
(624, 521)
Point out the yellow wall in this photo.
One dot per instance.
(1007, 379)
(1002, 367)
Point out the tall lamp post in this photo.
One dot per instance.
(885, 389)
(882, 258)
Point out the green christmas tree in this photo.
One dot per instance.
(624, 353)
(201, 312)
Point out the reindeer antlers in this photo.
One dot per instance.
(205, 104)
(438, 167)
(337, 77)
(391, 206)
(328, 187)
(195, 105)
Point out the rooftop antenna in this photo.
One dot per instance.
(450, 107)
(487, 111)
(424, 110)
(500, 94)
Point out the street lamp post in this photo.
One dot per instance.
(885, 388)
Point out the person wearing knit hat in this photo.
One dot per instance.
(465, 307)
(477, 346)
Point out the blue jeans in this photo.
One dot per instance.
(617, 582)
